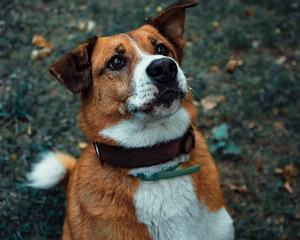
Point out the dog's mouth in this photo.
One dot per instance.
(167, 100)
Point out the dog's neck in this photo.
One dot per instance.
(140, 133)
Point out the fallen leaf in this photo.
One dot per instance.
(159, 9)
(13, 157)
(278, 171)
(255, 43)
(82, 6)
(240, 62)
(82, 26)
(82, 145)
(278, 220)
(216, 25)
(29, 130)
(90, 25)
(147, 9)
(214, 69)
(41, 42)
(279, 126)
(275, 111)
(189, 44)
(297, 215)
(41, 54)
(281, 60)
(277, 30)
(250, 12)
(249, 124)
(290, 173)
(47, 48)
(235, 187)
(288, 187)
(231, 66)
(209, 103)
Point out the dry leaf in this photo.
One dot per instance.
(277, 30)
(231, 66)
(90, 25)
(281, 60)
(209, 103)
(82, 145)
(196, 103)
(236, 187)
(47, 48)
(159, 9)
(41, 54)
(297, 215)
(82, 26)
(278, 171)
(39, 41)
(240, 62)
(147, 9)
(287, 187)
(82, 6)
(255, 43)
(279, 126)
(189, 44)
(214, 69)
(290, 173)
(249, 124)
(13, 157)
(278, 220)
(215, 25)
(250, 12)
(275, 111)
(29, 130)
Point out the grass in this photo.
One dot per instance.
(261, 108)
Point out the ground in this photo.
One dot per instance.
(251, 119)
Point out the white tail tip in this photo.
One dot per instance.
(46, 173)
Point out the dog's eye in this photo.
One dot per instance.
(161, 49)
(116, 63)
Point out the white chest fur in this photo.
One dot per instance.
(171, 211)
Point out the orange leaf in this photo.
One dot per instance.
(39, 41)
(249, 12)
(231, 66)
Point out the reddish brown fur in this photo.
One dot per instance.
(101, 198)
(100, 202)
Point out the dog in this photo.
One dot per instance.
(147, 172)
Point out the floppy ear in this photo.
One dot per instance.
(74, 70)
(170, 23)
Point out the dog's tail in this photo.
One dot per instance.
(53, 168)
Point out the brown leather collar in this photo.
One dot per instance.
(145, 156)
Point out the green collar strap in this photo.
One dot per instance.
(170, 173)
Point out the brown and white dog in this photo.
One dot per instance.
(138, 113)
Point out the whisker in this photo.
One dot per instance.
(195, 92)
(186, 70)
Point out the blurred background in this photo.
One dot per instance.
(251, 119)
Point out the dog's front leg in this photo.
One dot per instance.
(66, 232)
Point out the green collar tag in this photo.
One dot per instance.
(169, 173)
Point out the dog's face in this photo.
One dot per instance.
(139, 70)
(130, 76)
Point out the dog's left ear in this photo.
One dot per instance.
(74, 70)
(170, 23)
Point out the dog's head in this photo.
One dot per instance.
(136, 75)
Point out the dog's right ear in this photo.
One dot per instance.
(74, 70)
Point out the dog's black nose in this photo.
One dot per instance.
(162, 70)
